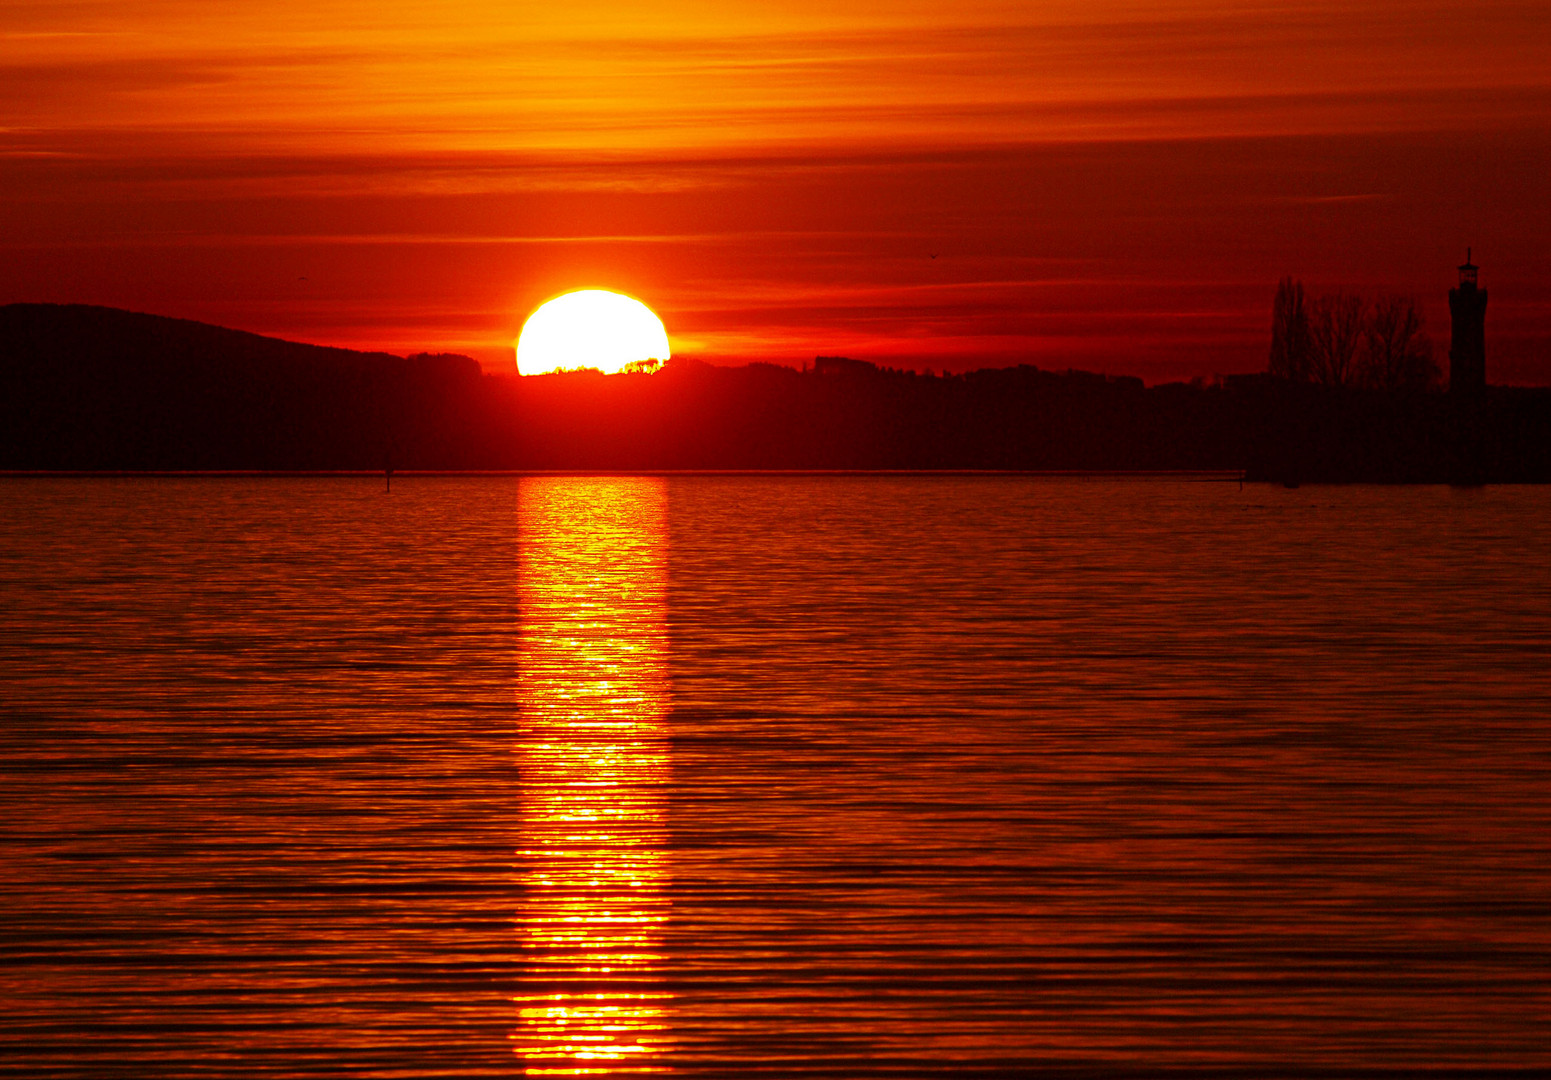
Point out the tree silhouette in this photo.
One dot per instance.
(1335, 331)
(1397, 354)
(1290, 345)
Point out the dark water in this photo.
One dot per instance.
(792, 776)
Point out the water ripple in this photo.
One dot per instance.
(820, 776)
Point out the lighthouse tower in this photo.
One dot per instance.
(1467, 349)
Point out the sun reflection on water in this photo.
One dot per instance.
(593, 686)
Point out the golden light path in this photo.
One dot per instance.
(594, 761)
(590, 328)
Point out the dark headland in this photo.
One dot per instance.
(92, 388)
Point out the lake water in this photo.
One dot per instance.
(792, 776)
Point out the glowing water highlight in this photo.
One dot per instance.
(594, 753)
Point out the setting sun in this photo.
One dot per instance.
(591, 328)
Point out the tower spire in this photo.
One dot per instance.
(1467, 351)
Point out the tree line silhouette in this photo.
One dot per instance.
(1342, 340)
(87, 388)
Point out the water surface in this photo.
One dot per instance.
(790, 775)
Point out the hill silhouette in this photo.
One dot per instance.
(97, 388)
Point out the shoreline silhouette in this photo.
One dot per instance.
(93, 389)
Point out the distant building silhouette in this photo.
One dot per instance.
(1467, 348)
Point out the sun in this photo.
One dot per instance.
(590, 328)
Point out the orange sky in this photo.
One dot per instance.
(1104, 184)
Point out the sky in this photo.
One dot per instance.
(1104, 184)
